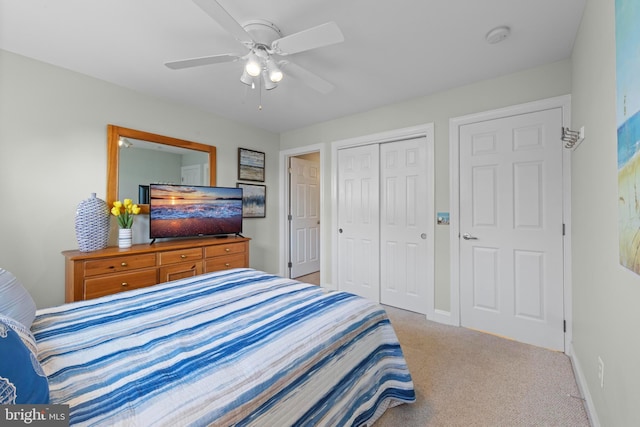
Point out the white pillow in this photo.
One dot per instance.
(16, 301)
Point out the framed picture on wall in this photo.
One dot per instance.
(254, 200)
(250, 165)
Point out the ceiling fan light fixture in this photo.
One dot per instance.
(247, 79)
(253, 67)
(275, 73)
(124, 142)
(267, 82)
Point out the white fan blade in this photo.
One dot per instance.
(307, 77)
(203, 60)
(226, 21)
(312, 38)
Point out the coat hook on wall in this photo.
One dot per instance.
(572, 137)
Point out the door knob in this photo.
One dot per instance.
(339, 230)
(467, 236)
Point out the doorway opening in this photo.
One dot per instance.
(301, 214)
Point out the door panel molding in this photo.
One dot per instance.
(564, 103)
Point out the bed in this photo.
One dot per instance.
(238, 347)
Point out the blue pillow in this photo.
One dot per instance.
(22, 380)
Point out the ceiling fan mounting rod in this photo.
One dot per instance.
(261, 51)
(263, 32)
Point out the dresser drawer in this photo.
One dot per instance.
(224, 262)
(115, 283)
(182, 255)
(180, 271)
(118, 264)
(219, 250)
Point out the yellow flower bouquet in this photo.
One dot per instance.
(124, 212)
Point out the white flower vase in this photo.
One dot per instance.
(125, 238)
(92, 224)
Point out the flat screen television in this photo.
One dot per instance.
(191, 210)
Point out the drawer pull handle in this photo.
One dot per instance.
(227, 249)
(227, 264)
(183, 256)
(123, 264)
(125, 284)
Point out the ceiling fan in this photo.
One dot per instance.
(265, 43)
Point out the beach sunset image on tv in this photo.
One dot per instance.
(187, 210)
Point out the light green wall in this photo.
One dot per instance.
(538, 83)
(606, 318)
(53, 155)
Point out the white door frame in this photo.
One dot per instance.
(563, 102)
(424, 130)
(284, 243)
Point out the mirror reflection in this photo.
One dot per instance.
(137, 158)
(143, 163)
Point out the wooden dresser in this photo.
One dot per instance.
(110, 270)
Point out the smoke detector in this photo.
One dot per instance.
(497, 34)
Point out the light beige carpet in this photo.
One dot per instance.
(313, 278)
(468, 378)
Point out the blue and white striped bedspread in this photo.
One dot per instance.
(239, 347)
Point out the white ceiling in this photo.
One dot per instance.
(393, 50)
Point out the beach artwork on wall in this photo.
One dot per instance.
(254, 200)
(628, 127)
(250, 165)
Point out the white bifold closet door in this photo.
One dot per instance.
(359, 221)
(404, 224)
(385, 212)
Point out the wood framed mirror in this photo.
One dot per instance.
(120, 138)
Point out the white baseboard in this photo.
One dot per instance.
(441, 316)
(328, 286)
(584, 389)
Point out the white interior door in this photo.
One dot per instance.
(359, 221)
(190, 175)
(305, 216)
(511, 247)
(406, 224)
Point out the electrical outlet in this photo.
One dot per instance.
(601, 372)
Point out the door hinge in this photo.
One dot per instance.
(290, 264)
(290, 217)
(564, 326)
(563, 229)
